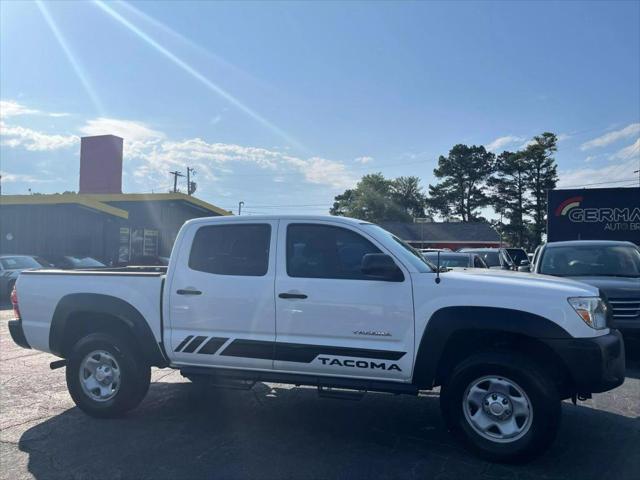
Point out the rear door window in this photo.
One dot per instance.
(241, 250)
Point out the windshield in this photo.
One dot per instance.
(18, 263)
(591, 260)
(85, 262)
(448, 260)
(517, 255)
(492, 259)
(409, 254)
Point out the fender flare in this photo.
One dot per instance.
(449, 320)
(93, 303)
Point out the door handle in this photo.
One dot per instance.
(293, 295)
(188, 292)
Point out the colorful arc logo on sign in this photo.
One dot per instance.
(567, 205)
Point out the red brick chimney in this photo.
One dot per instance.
(101, 164)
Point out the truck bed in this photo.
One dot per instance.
(40, 292)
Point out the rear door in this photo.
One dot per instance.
(331, 318)
(221, 296)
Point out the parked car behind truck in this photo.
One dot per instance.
(611, 266)
(10, 268)
(335, 303)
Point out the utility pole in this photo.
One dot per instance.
(176, 174)
(240, 205)
(191, 186)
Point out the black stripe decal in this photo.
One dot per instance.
(249, 349)
(301, 352)
(195, 343)
(213, 345)
(183, 343)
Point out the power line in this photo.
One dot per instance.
(599, 183)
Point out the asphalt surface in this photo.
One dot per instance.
(276, 431)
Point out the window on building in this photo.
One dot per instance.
(232, 249)
(322, 251)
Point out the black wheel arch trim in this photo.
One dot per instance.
(127, 314)
(448, 320)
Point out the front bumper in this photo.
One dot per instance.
(17, 333)
(596, 364)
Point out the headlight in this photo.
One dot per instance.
(592, 310)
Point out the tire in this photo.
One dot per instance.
(126, 377)
(520, 428)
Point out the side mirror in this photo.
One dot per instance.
(524, 263)
(380, 266)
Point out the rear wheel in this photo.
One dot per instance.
(104, 376)
(502, 406)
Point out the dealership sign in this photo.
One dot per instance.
(594, 214)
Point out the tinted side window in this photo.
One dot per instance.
(231, 249)
(477, 263)
(322, 251)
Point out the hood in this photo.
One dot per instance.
(524, 281)
(614, 287)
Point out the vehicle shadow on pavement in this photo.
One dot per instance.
(284, 432)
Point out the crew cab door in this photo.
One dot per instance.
(331, 319)
(221, 302)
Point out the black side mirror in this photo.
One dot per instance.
(380, 266)
(524, 263)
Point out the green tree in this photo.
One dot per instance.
(541, 176)
(463, 174)
(509, 196)
(378, 199)
(407, 193)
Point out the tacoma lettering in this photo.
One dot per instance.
(359, 364)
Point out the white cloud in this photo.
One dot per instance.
(11, 108)
(563, 136)
(149, 154)
(18, 177)
(323, 171)
(611, 173)
(129, 130)
(363, 160)
(33, 140)
(629, 152)
(526, 144)
(138, 137)
(502, 142)
(611, 137)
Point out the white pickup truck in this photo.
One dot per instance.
(331, 302)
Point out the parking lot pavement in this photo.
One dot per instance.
(275, 431)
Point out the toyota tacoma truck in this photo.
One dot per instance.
(336, 303)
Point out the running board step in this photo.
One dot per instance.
(340, 393)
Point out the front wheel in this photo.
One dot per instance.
(502, 405)
(104, 376)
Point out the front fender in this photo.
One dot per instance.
(449, 320)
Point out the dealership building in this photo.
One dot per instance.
(100, 221)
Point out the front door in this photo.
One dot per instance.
(221, 302)
(331, 319)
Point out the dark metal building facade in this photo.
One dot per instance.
(114, 228)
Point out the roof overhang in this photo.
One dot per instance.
(64, 199)
(102, 202)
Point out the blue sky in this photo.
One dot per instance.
(290, 103)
